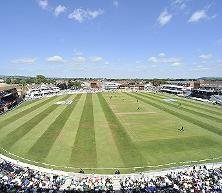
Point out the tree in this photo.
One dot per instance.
(15, 81)
(62, 86)
(40, 79)
(51, 81)
(77, 84)
(70, 84)
(158, 82)
(23, 82)
(30, 80)
(8, 81)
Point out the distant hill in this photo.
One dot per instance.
(210, 78)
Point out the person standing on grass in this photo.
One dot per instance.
(182, 129)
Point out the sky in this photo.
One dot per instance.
(111, 38)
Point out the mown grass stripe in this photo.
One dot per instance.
(183, 108)
(19, 108)
(192, 104)
(127, 149)
(41, 148)
(179, 115)
(65, 140)
(15, 135)
(202, 105)
(84, 149)
(23, 113)
(105, 144)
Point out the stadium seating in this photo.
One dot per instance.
(14, 178)
(8, 99)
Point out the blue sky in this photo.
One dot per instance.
(111, 38)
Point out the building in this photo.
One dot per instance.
(185, 83)
(8, 97)
(204, 93)
(172, 89)
(210, 90)
(95, 84)
(217, 99)
(111, 85)
(38, 91)
(195, 84)
(211, 84)
(123, 86)
(150, 88)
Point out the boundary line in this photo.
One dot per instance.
(124, 168)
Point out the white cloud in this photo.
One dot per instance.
(24, 61)
(198, 15)
(181, 4)
(164, 18)
(82, 15)
(153, 59)
(96, 59)
(79, 15)
(116, 4)
(43, 3)
(79, 60)
(205, 56)
(176, 64)
(55, 59)
(59, 9)
(163, 59)
(95, 13)
(162, 54)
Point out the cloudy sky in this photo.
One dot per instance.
(111, 38)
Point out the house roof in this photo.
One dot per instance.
(4, 86)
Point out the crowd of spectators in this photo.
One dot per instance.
(193, 180)
(199, 179)
(16, 179)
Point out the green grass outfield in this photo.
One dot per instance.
(105, 131)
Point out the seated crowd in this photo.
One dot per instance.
(196, 179)
(17, 179)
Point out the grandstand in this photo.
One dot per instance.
(172, 89)
(200, 178)
(204, 93)
(38, 91)
(8, 97)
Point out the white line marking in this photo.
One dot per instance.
(124, 168)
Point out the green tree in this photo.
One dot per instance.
(8, 81)
(77, 84)
(15, 81)
(40, 79)
(70, 84)
(23, 82)
(158, 82)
